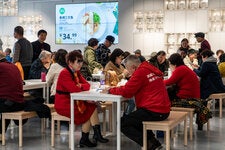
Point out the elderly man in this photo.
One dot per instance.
(11, 97)
(151, 98)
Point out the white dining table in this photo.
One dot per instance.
(36, 84)
(94, 95)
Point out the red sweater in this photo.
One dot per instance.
(11, 84)
(186, 81)
(146, 84)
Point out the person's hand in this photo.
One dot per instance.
(47, 65)
(106, 90)
(126, 73)
(195, 66)
(79, 85)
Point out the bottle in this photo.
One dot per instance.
(102, 78)
(107, 78)
(169, 72)
(43, 77)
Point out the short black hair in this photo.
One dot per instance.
(206, 53)
(60, 57)
(116, 53)
(176, 59)
(41, 31)
(19, 30)
(92, 42)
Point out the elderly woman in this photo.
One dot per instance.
(186, 89)
(54, 70)
(70, 80)
(41, 64)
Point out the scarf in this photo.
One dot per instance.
(80, 104)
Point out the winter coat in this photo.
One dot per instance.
(211, 81)
(90, 58)
(67, 84)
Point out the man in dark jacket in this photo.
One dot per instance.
(103, 51)
(40, 45)
(22, 51)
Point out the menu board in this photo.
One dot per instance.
(77, 23)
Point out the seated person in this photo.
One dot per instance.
(184, 47)
(211, 81)
(70, 80)
(121, 73)
(218, 53)
(114, 64)
(90, 56)
(8, 52)
(151, 98)
(11, 97)
(186, 89)
(54, 70)
(138, 54)
(160, 62)
(191, 59)
(221, 65)
(39, 66)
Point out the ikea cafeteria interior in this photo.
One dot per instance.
(148, 25)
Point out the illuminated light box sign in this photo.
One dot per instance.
(77, 23)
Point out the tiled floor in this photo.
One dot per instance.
(35, 140)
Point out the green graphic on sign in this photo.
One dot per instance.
(62, 11)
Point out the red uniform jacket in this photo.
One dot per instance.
(146, 84)
(66, 85)
(186, 81)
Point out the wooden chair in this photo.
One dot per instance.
(190, 112)
(20, 115)
(219, 96)
(172, 121)
(58, 118)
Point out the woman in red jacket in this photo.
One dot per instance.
(70, 80)
(186, 89)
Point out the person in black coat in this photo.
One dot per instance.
(211, 81)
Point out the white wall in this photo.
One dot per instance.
(175, 21)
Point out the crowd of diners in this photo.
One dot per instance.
(150, 92)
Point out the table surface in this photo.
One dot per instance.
(94, 95)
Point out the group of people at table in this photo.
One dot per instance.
(188, 86)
